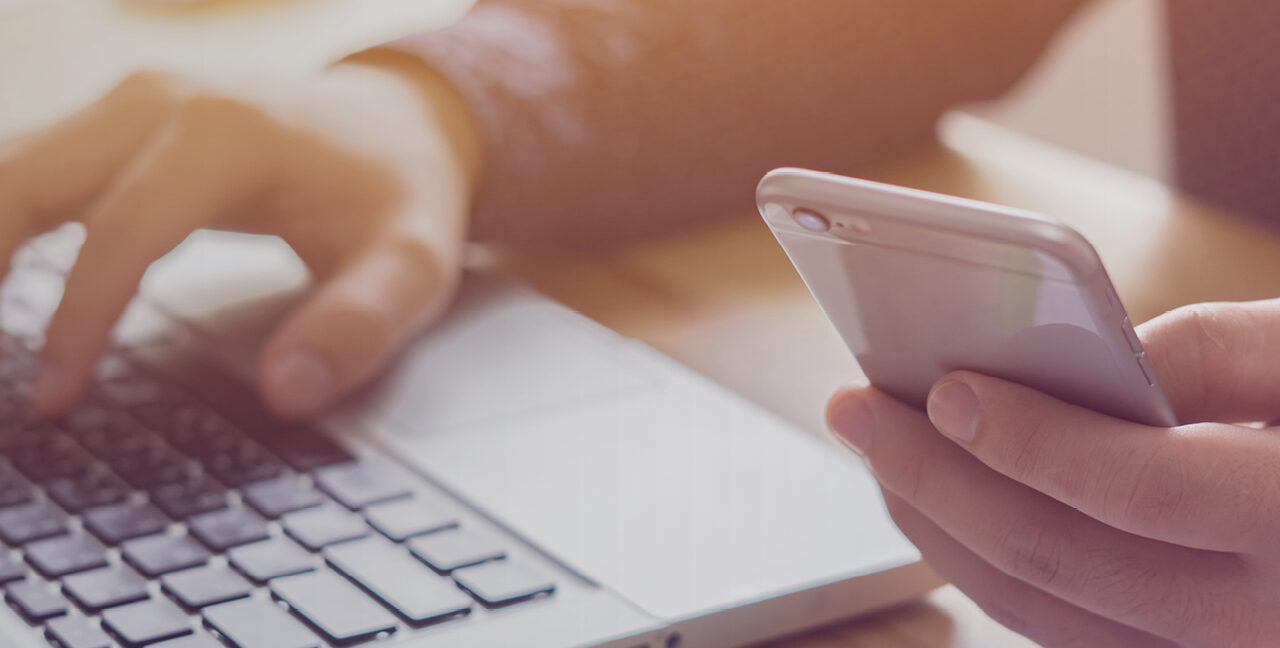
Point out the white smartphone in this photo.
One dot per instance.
(921, 284)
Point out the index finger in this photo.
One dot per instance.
(178, 184)
(1208, 486)
(1217, 361)
(50, 175)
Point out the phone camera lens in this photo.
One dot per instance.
(811, 220)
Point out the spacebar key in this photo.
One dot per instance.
(258, 623)
(334, 606)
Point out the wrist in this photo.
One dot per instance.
(442, 107)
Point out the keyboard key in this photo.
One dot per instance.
(28, 522)
(221, 530)
(245, 464)
(200, 639)
(56, 456)
(181, 500)
(116, 523)
(77, 632)
(10, 569)
(90, 417)
(281, 495)
(163, 416)
(157, 555)
(263, 561)
(404, 519)
(258, 623)
(132, 391)
(303, 448)
(334, 606)
(57, 557)
(104, 588)
(504, 582)
(454, 549)
(13, 490)
(357, 485)
(194, 429)
(18, 368)
(11, 409)
(79, 492)
(399, 581)
(36, 600)
(205, 586)
(147, 622)
(320, 527)
(119, 436)
(152, 468)
(113, 366)
(19, 431)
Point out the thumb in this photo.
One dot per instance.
(1217, 362)
(344, 334)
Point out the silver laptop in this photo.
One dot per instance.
(520, 477)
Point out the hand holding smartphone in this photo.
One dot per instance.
(920, 284)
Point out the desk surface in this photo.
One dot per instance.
(726, 302)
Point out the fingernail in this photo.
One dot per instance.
(953, 408)
(300, 383)
(851, 422)
(49, 390)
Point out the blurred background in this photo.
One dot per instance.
(1102, 90)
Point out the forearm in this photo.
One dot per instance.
(616, 118)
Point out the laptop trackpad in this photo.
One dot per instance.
(502, 353)
(638, 473)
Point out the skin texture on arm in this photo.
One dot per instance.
(618, 118)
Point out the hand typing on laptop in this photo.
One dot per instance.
(366, 171)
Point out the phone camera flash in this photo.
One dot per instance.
(811, 220)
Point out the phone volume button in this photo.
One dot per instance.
(1131, 337)
(1147, 371)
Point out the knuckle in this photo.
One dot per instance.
(1026, 448)
(1199, 618)
(1032, 554)
(1153, 494)
(1233, 626)
(1198, 341)
(367, 330)
(1029, 456)
(208, 111)
(1130, 586)
(1208, 320)
(145, 84)
(416, 253)
(1252, 502)
(906, 473)
(1133, 587)
(429, 271)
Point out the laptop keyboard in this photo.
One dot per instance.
(153, 516)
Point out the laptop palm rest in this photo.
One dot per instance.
(629, 468)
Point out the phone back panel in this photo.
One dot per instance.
(919, 285)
